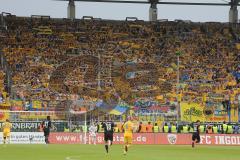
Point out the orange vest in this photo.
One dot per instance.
(149, 128)
(143, 128)
(209, 129)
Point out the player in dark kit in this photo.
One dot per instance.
(108, 134)
(46, 125)
(196, 134)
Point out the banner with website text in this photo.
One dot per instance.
(25, 138)
(149, 138)
(138, 138)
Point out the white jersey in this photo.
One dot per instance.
(93, 130)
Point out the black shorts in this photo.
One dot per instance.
(196, 136)
(108, 137)
(46, 132)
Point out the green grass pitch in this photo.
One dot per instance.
(136, 152)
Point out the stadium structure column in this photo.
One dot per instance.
(71, 9)
(153, 11)
(233, 12)
(2, 20)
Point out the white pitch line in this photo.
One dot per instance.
(72, 158)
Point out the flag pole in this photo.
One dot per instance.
(178, 53)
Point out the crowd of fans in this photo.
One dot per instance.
(61, 59)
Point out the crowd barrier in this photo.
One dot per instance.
(138, 138)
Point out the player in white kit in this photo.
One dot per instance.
(93, 134)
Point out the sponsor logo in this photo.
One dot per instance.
(172, 138)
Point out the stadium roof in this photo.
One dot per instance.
(210, 3)
(153, 12)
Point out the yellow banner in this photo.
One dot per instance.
(37, 104)
(217, 116)
(192, 112)
(42, 115)
(17, 103)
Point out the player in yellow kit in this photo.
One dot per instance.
(6, 131)
(128, 135)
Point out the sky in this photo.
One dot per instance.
(58, 9)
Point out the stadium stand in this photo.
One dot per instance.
(60, 59)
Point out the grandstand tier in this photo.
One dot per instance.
(56, 60)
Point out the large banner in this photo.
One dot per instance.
(39, 115)
(34, 126)
(147, 109)
(138, 138)
(149, 138)
(25, 138)
(191, 112)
